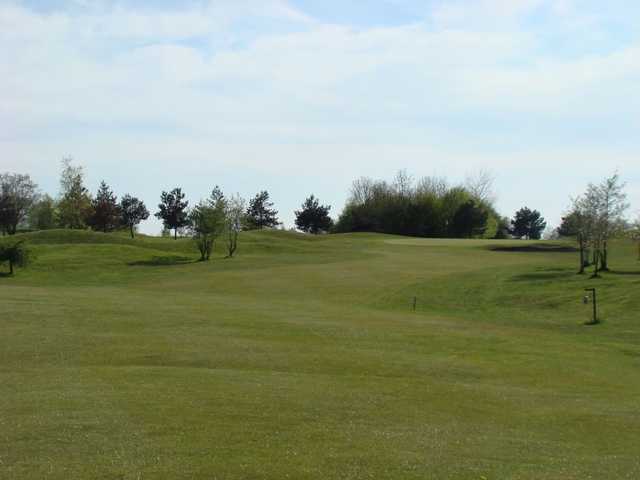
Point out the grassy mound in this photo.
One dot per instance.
(303, 358)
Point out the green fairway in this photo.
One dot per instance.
(302, 358)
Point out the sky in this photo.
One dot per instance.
(303, 96)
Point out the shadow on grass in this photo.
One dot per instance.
(543, 276)
(533, 248)
(163, 261)
(5, 275)
(618, 272)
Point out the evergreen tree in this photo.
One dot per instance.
(132, 212)
(260, 213)
(313, 218)
(105, 211)
(173, 210)
(528, 223)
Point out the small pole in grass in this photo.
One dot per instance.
(415, 301)
(594, 302)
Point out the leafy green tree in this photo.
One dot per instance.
(470, 220)
(260, 213)
(576, 225)
(17, 194)
(528, 223)
(207, 222)
(234, 220)
(313, 217)
(42, 215)
(502, 228)
(74, 206)
(15, 253)
(105, 211)
(132, 212)
(429, 207)
(173, 210)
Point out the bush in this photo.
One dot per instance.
(16, 254)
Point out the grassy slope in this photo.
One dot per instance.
(301, 358)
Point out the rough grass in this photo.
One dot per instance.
(302, 358)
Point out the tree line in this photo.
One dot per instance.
(218, 216)
(429, 207)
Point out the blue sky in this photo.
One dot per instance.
(301, 97)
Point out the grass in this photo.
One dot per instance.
(301, 358)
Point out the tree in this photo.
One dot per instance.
(105, 212)
(16, 253)
(469, 220)
(234, 217)
(612, 207)
(480, 186)
(132, 212)
(576, 224)
(42, 215)
(425, 208)
(74, 206)
(313, 218)
(260, 213)
(635, 234)
(173, 210)
(528, 223)
(17, 195)
(207, 221)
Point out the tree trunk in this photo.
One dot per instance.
(10, 267)
(596, 263)
(603, 257)
(581, 243)
(175, 233)
(131, 230)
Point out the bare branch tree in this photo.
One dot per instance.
(480, 185)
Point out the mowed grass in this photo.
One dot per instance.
(302, 358)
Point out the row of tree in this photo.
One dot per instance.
(594, 218)
(430, 208)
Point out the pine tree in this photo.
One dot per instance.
(105, 212)
(260, 213)
(313, 218)
(528, 223)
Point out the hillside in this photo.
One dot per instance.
(302, 358)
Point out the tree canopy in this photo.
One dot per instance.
(17, 194)
(132, 212)
(313, 217)
(260, 213)
(528, 223)
(74, 205)
(172, 210)
(105, 211)
(429, 207)
(207, 222)
(15, 254)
